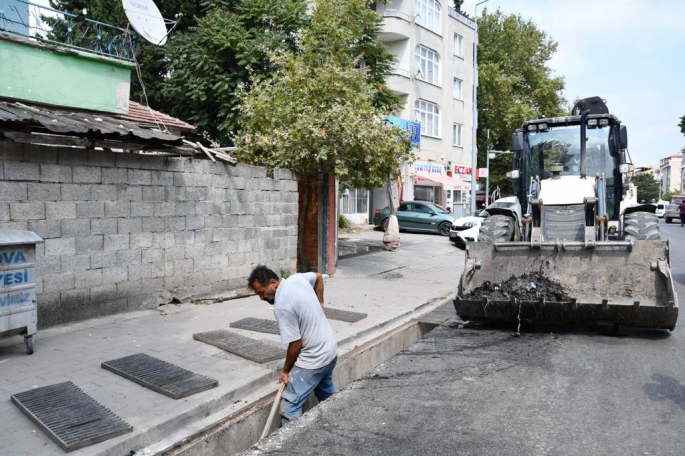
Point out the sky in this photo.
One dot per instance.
(631, 53)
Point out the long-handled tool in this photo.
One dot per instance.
(273, 410)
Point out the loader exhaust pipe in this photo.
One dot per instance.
(583, 142)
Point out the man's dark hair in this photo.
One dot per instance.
(262, 275)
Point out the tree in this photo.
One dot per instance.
(647, 187)
(150, 58)
(515, 84)
(458, 4)
(682, 125)
(319, 112)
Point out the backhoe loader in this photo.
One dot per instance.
(581, 229)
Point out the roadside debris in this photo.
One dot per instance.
(528, 287)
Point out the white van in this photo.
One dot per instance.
(661, 208)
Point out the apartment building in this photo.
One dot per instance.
(671, 173)
(434, 75)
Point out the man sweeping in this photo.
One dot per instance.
(312, 348)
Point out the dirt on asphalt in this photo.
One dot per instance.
(528, 287)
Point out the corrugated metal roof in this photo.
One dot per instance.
(79, 123)
(139, 113)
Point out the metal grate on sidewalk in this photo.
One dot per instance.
(160, 376)
(343, 315)
(69, 416)
(257, 324)
(258, 351)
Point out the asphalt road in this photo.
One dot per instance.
(467, 391)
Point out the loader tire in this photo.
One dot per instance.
(496, 228)
(641, 226)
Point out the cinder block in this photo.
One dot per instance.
(4, 212)
(103, 260)
(166, 209)
(129, 257)
(115, 242)
(153, 224)
(175, 164)
(103, 226)
(91, 278)
(44, 192)
(197, 193)
(13, 191)
(142, 209)
(246, 221)
(162, 269)
(184, 208)
(78, 299)
(101, 158)
(72, 157)
(90, 244)
(117, 209)
(21, 171)
(130, 288)
(130, 225)
(104, 294)
(127, 160)
(55, 173)
(115, 275)
(75, 227)
(60, 210)
(115, 176)
(90, 210)
(140, 240)
(204, 236)
(151, 162)
(75, 192)
(103, 192)
(129, 193)
(195, 251)
(139, 271)
(155, 194)
(48, 264)
(185, 266)
(139, 177)
(221, 181)
(175, 194)
(152, 255)
(162, 240)
(184, 238)
(87, 175)
(195, 223)
(174, 223)
(47, 229)
(58, 282)
(27, 211)
(175, 253)
(161, 178)
(75, 263)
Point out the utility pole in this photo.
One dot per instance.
(474, 150)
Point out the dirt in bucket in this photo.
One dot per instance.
(528, 287)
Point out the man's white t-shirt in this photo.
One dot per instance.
(300, 316)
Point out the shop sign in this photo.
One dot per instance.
(428, 169)
(462, 172)
(414, 128)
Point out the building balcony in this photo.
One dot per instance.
(399, 81)
(61, 59)
(396, 26)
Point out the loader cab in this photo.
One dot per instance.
(551, 148)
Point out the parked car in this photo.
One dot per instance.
(417, 216)
(465, 229)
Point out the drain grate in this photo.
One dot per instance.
(69, 416)
(258, 351)
(343, 315)
(257, 324)
(160, 376)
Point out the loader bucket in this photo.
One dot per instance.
(617, 282)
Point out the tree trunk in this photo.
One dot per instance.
(391, 238)
(303, 263)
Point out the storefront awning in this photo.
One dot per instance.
(449, 183)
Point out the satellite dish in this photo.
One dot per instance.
(146, 19)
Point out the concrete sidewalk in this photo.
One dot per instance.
(391, 287)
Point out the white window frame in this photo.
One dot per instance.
(428, 115)
(458, 94)
(457, 130)
(428, 14)
(427, 63)
(459, 45)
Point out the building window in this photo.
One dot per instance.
(428, 14)
(459, 46)
(427, 65)
(428, 115)
(355, 201)
(457, 89)
(456, 134)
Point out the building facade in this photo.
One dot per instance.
(434, 75)
(671, 173)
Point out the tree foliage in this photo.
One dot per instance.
(320, 112)
(682, 125)
(515, 84)
(647, 187)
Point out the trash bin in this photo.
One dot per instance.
(18, 309)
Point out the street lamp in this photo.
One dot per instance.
(474, 149)
(491, 154)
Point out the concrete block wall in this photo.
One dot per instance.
(126, 232)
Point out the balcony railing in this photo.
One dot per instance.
(400, 72)
(397, 13)
(60, 28)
